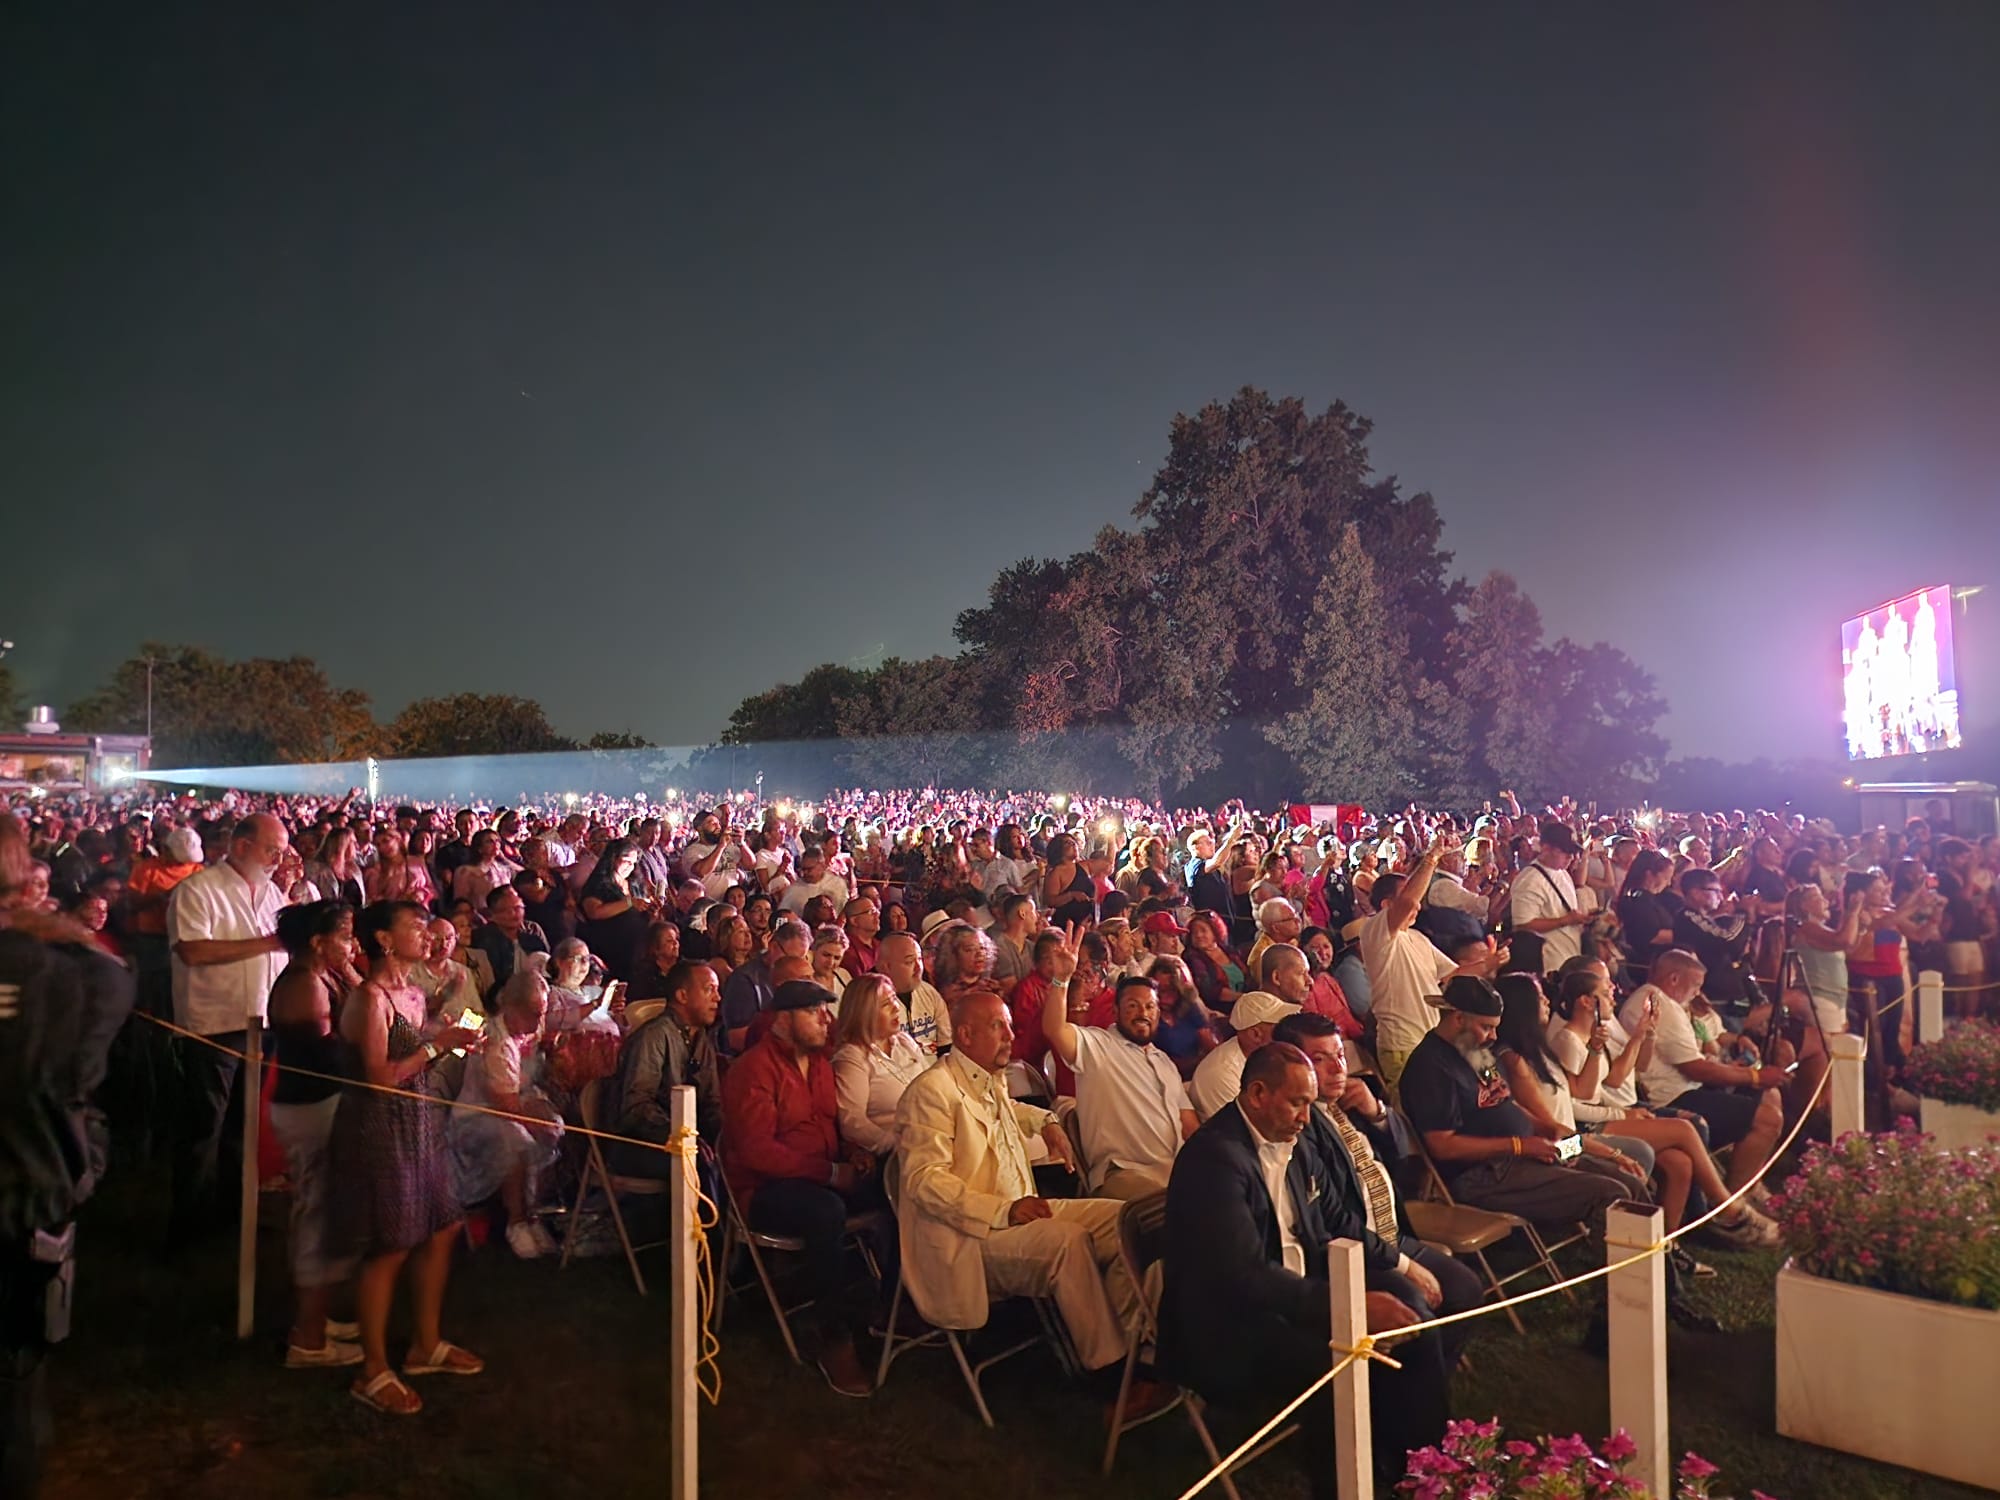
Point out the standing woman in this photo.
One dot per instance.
(614, 923)
(1068, 893)
(336, 874)
(1647, 921)
(391, 1196)
(395, 876)
(319, 937)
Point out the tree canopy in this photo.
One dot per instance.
(1280, 620)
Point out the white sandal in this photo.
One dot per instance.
(371, 1394)
(438, 1362)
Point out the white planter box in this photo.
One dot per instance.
(1893, 1378)
(1960, 1127)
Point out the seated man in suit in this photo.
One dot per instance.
(1429, 1280)
(1245, 1312)
(972, 1225)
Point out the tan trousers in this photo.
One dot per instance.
(1071, 1257)
(1129, 1184)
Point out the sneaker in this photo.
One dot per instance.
(522, 1241)
(347, 1333)
(843, 1371)
(1687, 1265)
(332, 1355)
(1684, 1314)
(1750, 1230)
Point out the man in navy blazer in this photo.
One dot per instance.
(1244, 1312)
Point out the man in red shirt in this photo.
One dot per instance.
(784, 1161)
(1024, 1006)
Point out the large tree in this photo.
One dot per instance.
(11, 709)
(802, 710)
(914, 723)
(474, 724)
(1355, 734)
(210, 711)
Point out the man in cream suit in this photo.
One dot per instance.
(972, 1226)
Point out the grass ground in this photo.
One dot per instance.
(154, 1398)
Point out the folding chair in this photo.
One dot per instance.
(1457, 1226)
(1141, 1231)
(613, 1186)
(737, 1234)
(895, 1345)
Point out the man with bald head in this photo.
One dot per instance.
(222, 933)
(973, 1227)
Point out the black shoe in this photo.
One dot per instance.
(1684, 1314)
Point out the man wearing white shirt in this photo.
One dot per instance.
(222, 933)
(814, 880)
(1132, 1109)
(1743, 1106)
(1544, 899)
(1406, 970)
(567, 841)
(1219, 1075)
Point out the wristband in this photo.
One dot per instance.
(432, 1052)
(1516, 1140)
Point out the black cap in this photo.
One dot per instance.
(1474, 996)
(801, 994)
(1558, 836)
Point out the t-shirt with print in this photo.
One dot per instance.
(1440, 1092)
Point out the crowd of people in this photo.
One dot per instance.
(994, 1022)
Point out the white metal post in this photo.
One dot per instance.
(246, 1233)
(1353, 1443)
(1930, 1005)
(1849, 1052)
(1637, 1314)
(684, 1317)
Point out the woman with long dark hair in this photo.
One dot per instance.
(1647, 920)
(391, 1196)
(319, 937)
(614, 923)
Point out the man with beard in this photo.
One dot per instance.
(1485, 1146)
(1131, 1107)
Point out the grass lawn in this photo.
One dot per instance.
(155, 1398)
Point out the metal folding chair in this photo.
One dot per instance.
(612, 1185)
(1455, 1225)
(737, 1234)
(895, 1345)
(1141, 1232)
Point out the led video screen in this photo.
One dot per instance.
(1899, 681)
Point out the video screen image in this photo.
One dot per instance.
(1899, 681)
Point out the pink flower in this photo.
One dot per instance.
(1619, 1446)
(1694, 1466)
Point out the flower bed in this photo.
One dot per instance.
(1889, 1314)
(1958, 1079)
(1475, 1462)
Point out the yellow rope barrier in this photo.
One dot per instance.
(684, 1145)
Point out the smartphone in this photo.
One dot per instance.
(1569, 1148)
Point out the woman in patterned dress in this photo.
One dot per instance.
(389, 1166)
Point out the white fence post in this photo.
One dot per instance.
(1353, 1444)
(1849, 1053)
(684, 1313)
(1636, 1298)
(1930, 1005)
(253, 1118)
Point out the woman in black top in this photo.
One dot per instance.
(1067, 893)
(614, 924)
(319, 936)
(1647, 920)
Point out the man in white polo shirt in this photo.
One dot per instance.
(1132, 1108)
(222, 930)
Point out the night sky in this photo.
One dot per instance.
(634, 358)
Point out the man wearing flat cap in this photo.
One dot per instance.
(785, 1163)
(1483, 1143)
